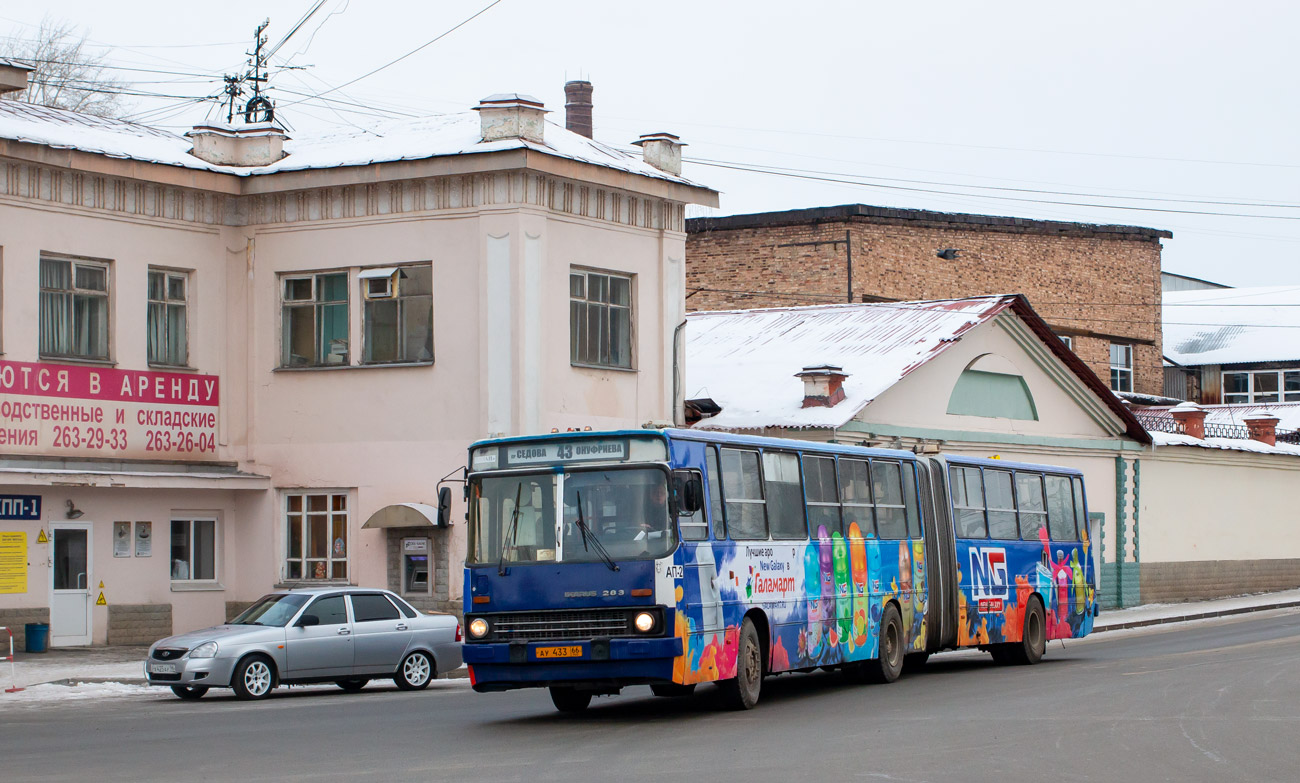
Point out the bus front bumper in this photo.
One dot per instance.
(599, 663)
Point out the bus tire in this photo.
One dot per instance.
(889, 665)
(742, 691)
(671, 690)
(570, 699)
(1033, 642)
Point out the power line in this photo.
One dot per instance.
(481, 11)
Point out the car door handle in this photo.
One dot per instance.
(344, 631)
(401, 626)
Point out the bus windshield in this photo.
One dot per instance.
(622, 512)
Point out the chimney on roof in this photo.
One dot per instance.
(1190, 418)
(577, 107)
(663, 151)
(13, 76)
(823, 385)
(255, 144)
(1263, 427)
(512, 116)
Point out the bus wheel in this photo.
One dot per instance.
(741, 692)
(570, 699)
(671, 689)
(1034, 640)
(889, 665)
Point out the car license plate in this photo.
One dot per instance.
(162, 668)
(572, 651)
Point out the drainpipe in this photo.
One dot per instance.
(679, 410)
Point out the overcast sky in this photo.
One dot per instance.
(1145, 105)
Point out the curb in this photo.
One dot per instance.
(455, 674)
(1207, 615)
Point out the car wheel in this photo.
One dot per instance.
(352, 685)
(254, 678)
(189, 692)
(416, 671)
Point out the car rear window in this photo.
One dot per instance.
(370, 606)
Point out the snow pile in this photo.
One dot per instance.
(1228, 444)
(746, 360)
(79, 691)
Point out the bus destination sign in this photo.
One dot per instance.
(573, 451)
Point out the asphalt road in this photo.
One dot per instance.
(1213, 701)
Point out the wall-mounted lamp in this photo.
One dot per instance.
(948, 254)
(73, 512)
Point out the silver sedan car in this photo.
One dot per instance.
(348, 636)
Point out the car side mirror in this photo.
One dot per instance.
(308, 620)
(444, 507)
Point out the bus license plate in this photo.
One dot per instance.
(573, 651)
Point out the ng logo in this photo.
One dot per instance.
(988, 572)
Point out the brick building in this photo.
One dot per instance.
(1097, 286)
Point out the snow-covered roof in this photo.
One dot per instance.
(1287, 413)
(1227, 444)
(386, 141)
(746, 360)
(1232, 325)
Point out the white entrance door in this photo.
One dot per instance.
(70, 584)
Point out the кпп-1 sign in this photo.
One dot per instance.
(71, 410)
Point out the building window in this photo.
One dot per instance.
(315, 320)
(600, 319)
(1066, 340)
(316, 529)
(194, 549)
(1265, 386)
(168, 318)
(398, 314)
(1121, 367)
(74, 309)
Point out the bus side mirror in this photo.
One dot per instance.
(444, 507)
(690, 493)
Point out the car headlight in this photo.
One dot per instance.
(478, 628)
(205, 650)
(644, 622)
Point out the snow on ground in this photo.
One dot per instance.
(48, 693)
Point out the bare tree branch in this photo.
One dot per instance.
(67, 76)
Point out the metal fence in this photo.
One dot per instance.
(1163, 421)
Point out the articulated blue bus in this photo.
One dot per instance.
(668, 558)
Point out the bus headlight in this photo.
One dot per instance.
(478, 628)
(644, 622)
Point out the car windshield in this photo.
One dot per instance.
(276, 610)
(621, 512)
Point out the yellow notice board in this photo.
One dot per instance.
(13, 562)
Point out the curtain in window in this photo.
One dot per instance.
(56, 306)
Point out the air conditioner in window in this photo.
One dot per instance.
(379, 283)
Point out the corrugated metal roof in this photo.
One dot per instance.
(1232, 325)
(746, 360)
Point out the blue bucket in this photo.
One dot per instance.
(38, 637)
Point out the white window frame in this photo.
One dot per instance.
(1118, 372)
(1067, 340)
(317, 307)
(73, 291)
(1252, 395)
(168, 276)
(189, 562)
(289, 518)
(578, 357)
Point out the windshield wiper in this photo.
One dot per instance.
(595, 540)
(508, 539)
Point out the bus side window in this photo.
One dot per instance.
(968, 502)
(784, 495)
(1033, 512)
(887, 486)
(823, 495)
(715, 492)
(1001, 503)
(692, 525)
(1060, 509)
(909, 500)
(1080, 509)
(855, 495)
(742, 490)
